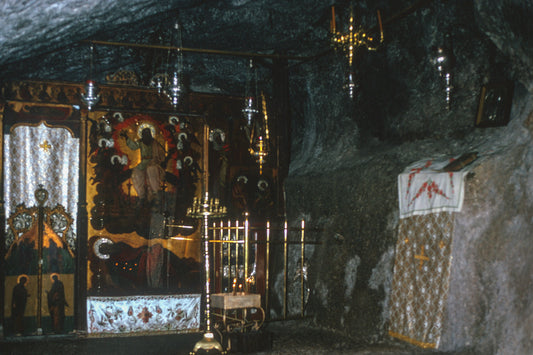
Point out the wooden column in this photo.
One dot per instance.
(80, 278)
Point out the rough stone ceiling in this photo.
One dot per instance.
(44, 39)
(48, 40)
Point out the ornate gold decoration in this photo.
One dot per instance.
(21, 276)
(46, 124)
(144, 125)
(112, 97)
(205, 209)
(45, 146)
(207, 343)
(208, 207)
(421, 257)
(349, 41)
(259, 138)
(123, 77)
(412, 341)
(21, 220)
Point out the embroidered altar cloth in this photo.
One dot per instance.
(424, 187)
(143, 314)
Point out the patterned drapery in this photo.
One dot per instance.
(41, 155)
(421, 278)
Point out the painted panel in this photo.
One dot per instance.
(144, 172)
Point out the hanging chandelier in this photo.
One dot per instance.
(444, 61)
(170, 82)
(91, 97)
(350, 41)
(250, 95)
(260, 137)
(256, 119)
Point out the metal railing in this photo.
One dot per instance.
(242, 256)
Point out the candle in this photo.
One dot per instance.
(333, 25)
(380, 25)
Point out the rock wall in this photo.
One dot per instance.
(490, 301)
(347, 155)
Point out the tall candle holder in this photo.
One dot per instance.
(204, 209)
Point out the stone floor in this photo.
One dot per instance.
(293, 337)
(301, 338)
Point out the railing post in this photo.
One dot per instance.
(302, 273)
(285, 262)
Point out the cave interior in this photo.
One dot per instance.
(448, 81)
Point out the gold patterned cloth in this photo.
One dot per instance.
(421, 278)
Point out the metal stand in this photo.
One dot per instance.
(205, 209)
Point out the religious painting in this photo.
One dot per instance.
(253, 194)
(495, 104)
(143, 174)
(39, 296)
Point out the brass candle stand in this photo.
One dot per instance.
(204, 209)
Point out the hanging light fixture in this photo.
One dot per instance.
(260, 137)
(444, 61)
(250, 95)
(256, 124)
(91, 96)
(170, 82)
(350, 86)
(349, 41)
(174, 90)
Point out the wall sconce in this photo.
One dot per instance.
(351, 40)
(444, 62)
(91, 97)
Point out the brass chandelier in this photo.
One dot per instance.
(349, 41)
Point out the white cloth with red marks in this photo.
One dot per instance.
(425, 188)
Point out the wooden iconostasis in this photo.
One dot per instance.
(144, 172)
(139, 166)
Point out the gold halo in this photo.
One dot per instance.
(144, 125)
(52, 276)
(23, 275)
